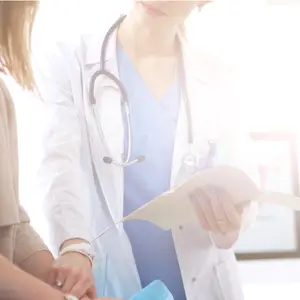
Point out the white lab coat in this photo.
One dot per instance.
(84, 196)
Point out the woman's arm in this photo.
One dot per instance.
(30, 252)
(15, 284)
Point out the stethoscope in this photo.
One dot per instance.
(190, 159)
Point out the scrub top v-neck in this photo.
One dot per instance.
(153, 126)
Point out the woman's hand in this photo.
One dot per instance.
(216, 210)
(72, 274)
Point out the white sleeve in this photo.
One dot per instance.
(60, 173)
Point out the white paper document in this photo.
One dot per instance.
(174, 208)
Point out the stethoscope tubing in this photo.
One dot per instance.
(125, 103)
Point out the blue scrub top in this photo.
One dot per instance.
(153, 126)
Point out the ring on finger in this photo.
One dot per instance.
(59, 284)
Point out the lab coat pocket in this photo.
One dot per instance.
(229, 281)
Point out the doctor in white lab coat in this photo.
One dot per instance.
(84, 194)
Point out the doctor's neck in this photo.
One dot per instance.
(142, 39)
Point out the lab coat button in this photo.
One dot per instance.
(181, 227)
(194, 279)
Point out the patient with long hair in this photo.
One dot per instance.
(25, 262)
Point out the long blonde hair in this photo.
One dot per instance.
(16, 22)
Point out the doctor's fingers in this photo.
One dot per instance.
(201, 217)
(218, 200)
(77, 282)
(56, 278)
(204, 210)
(233, 213)
(81, 286)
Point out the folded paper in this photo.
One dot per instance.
(173, 208)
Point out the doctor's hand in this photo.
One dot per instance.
(216, 210)
(72, 274)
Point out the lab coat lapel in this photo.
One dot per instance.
(180, 145)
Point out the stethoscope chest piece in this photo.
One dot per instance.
(192, 163)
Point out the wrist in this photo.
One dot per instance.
(75, 241)
(83, 249)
